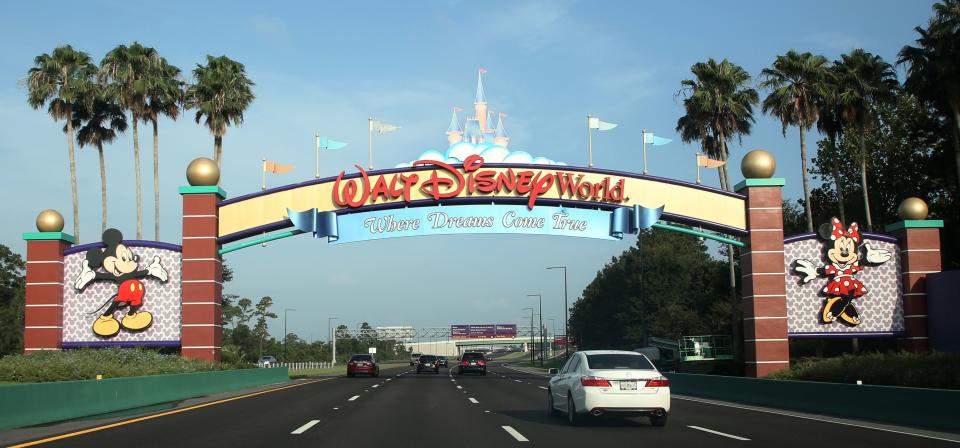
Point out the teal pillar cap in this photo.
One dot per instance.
(49, 236)
(204, 189)
(915, 224)
(769, 182)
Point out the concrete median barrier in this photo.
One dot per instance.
(36, 403)
(907, 406)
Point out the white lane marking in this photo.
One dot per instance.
(453, 380)
(354, 397)
(544, 388)
(335, 409)
(515, 434)
(518, 381)
(305, 427)
(700, 428)
(390, 379)
(474, 400)
(486, 412)
(817, 418)
(376, 385)
(459, 387)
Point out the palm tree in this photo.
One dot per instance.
(830, 124)
(864, 80)
(61, 81)
(164, 94)
(794, 81)
(99, 123)
(221, 93)
(124, 70)
(719, 101)
(933, 66)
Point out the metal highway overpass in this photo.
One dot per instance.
(504, 408)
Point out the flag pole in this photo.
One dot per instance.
(263, 176)
(370, 140)
(643, 134)
(316, 175)
(589, 143)
(696, 158)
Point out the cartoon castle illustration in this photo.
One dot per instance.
(476, 128)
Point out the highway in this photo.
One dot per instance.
(504, 408)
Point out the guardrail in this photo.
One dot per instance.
(36, 403)
(907, 406)
(294, 366)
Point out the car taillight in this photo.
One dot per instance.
(592, 381)
(481, 363)
(464, 363)
(352, 363)
(661, 382)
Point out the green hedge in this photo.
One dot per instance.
(935, 370)
(85, 364)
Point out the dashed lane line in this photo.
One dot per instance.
(305, 427)
(376, 386)
(459, 387)
(544, 388)
(711, 431)
(353, 398)
(474, 400)
(516, 434)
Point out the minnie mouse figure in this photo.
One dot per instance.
(843, 252)
(120, 266)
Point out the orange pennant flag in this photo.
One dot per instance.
(270, 166)
(707, 162)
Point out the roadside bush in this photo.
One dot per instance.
(86, 364)
(933, 370)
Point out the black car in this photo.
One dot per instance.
(442, 361)
(427, 363)
(472, 363)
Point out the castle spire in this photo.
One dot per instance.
(480, 97)
(454, 122)
(501, 132)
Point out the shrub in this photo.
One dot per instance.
(933, 370)
(85, 364)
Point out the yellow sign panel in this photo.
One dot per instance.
(433, 182)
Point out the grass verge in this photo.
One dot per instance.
(932, 370)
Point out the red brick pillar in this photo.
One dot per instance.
(43, 310)
(764, 304)
(201, 330)
(919, 257)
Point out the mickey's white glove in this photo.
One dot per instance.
(808, 268)
(877, 256)
(156, 270)
(86, 276)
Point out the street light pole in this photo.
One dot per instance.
(540, 300)
(553, 333)
(333, 339)
(285, 332)
(532, 349)
(566, 320)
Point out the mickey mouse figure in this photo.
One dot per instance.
(845, 258)
(120, 266)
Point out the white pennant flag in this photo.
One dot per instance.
(382, 128)
(595, 123)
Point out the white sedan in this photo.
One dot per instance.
(609, 382)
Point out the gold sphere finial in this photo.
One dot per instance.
(203, 172)
(50, 220)
(758, 164)
(913, 208)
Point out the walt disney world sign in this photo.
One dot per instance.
(434, 197)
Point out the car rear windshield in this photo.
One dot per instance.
(618, 361)
(427, 358)
(362, 358)
(472, 356)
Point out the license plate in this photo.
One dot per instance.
(628, 385)
(473, 363)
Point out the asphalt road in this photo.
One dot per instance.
(504, 408)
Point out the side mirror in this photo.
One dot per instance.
(553, 371)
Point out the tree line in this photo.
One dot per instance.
(133, 84)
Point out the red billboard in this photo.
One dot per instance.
(483, 331)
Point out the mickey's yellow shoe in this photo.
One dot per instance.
(849, 319)
(137, 321)
(827, 312)
(106, 326)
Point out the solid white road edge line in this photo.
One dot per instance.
(515, 434)
(305, 427)
(817, 418)
(474, 400)
(700, 428)
(354, 397)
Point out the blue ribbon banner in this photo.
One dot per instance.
(474, 219)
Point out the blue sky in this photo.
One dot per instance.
(326, 67)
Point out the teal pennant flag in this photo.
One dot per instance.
(651, 139)
(326, 143)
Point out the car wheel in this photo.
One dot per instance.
(573, 419)
(551, 410)
(658, 421)
(349, 375)
(484, 373)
